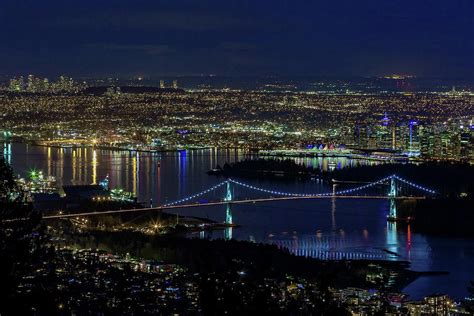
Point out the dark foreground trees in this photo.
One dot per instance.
(23, 248)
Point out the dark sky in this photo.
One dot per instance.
(246, 37)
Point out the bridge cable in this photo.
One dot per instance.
(419, 187)
(313, 194)
(196, 194)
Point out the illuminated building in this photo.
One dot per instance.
(16, 85)
(467, 142)
(30, 86)
(438, 304)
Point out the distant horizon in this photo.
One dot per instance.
(236, 76)
(342, 38)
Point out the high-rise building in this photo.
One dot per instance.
(41, 85)
(362, 135)
(66, 84)
(45, 85)
(413, 139)
(467, 150)
(438, 304)
(162, 84)
(30, 85)
(427, 142)
(408, 137)
(175, 84)
(16, 85)
(384, 134)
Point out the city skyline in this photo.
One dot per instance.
(236, 157)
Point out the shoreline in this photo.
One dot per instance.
(306, 267)
(259, 152)
(113, 148)
(335, 154)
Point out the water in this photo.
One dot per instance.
(354, 229)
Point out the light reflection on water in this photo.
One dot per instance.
(328, 229)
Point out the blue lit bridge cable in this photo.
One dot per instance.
(363, 186)
(282, 193)
(274, 192)
(195, 195)
(419, 187)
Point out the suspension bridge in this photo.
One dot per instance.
(398, 188)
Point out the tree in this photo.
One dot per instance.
(23, 246)
(9, 190)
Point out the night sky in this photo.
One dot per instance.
(236, 38)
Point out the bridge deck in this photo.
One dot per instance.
(260, 200)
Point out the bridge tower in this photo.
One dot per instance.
(392, 217)
(228, 198)
(228, 211)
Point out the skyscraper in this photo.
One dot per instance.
(16, 85)
(30, 86)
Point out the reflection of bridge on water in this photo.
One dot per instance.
(342, 245)
(329, 248)
(397, 185)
